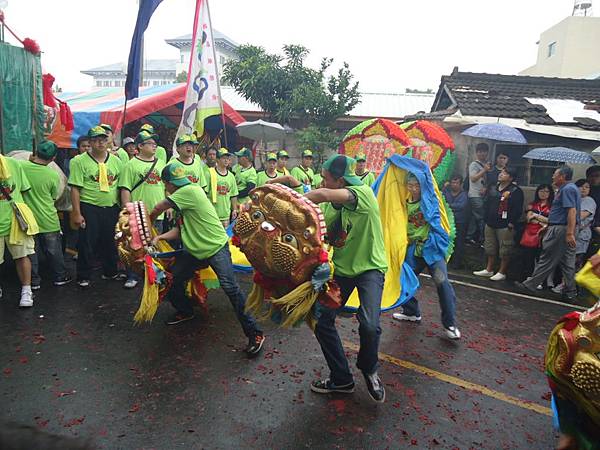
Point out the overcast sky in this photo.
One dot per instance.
(390, 44)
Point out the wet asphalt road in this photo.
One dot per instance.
(75, 364)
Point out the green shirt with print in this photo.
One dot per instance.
(418, 228)
(152, 190)
(304, 176)
(226, 189)
(201, 231)
(161, 154)
(40, 198)
(123, 155)
(16, 185)
(367, 178)
(194, 171)
(243, 178)
(262, 177)
(317, 180)
(363, 248)
(84, 174)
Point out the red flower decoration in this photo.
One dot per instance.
(31, 46)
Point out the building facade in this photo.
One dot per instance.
(158, 72)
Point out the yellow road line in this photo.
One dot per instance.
(460, 382)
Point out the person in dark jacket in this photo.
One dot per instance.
(504, 208)
(458, 201)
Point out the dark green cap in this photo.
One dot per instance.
(282, 154)
(184, 138)
(244, 152)
(174, 173)
(342, 166)
(47, 150)
(107, 127)
(144, 136)
(97, 131)
(223, 152)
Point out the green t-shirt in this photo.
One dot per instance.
(150, 191)
(363, 249)
(262, 177)
(194, 171)
(243, 178)
(84, 174)
(206, 172)
(418, 228)
(201, 231)
(367, 178)
(317, 180)
(17, 184)
(123, 155)
(304, 176)
(226, 188)
(161, 154)
(40, 198)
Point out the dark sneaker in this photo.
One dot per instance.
(118, 277)
(523, 289)
(178, 318)
(255, 344)
(83, 283)
(327, 387)
(375, 387)
(62, 281)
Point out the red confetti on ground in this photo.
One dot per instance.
(76, 421)
(547, 396)
(39, 339)
(7, 371)
(338, 405)
(135, 408)
(41, 423)
(24, 360)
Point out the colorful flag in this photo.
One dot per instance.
(134, 65)
(202, 98)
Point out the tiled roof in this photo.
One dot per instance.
(482, 94)
(217, 36)
(150, 65)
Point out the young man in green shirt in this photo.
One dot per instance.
(161, 153)
(418, 233)
(140, 181)
(360, 263)
(204, 242)
(224, 197)
(304, 172)
(282, 159)
(270, 171)
(210, 160)
(40, 198)
(194, 167)
(366, 177)
(93, 180)
(111, 147)
(246, 175)
(13, 184)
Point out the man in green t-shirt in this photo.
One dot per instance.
(40, 198)
(418, 233)
(304, 172)
(204, 242)
(111, 147)
(140, 181)
(270, 171)
(246, 175)
(210, 160)
(13, 184)
(194, 167)
(161, 153)
(282, 159)
(222, 189)
(366, 177)
(359, 260)
(94, 195)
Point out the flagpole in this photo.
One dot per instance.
(217, 75)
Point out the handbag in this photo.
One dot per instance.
(531, 238)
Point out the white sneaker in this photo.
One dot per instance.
(26, 300)
(558, 289)
(498, 277)
(452, 333)
(540, 287)
(130, 284)
(400, 316)
(483, 273)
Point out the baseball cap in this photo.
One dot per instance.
(244, 152)
(144, 136)
(147, 127)
(174, 173)
(46, 150)
(96, 132)
(223, 152)
(185, 138)
(282, 154)
(271, 156)
(360, 157)
(107, 127)
(342, 166)
(307, 154)
(128, 140)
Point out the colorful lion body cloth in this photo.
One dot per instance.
(283, 236)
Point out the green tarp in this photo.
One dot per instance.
(21, 102)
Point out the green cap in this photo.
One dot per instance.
(107, 127)
(244, 152)
(342, 166)
(282, 154)
(184, 138)
(360, 157)
(307, 154)
(147, 127)
(223, 152)
(144, 136)
(271, 156)
(97, 131)
(174, 173)
(47, 150)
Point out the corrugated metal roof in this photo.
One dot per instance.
(150, 65)
(216, 35)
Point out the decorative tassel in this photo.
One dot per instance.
(297, 304)
(150, 299)
(103, 177)
(254, 302)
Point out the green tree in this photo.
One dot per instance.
(321, 140)
(181, 77)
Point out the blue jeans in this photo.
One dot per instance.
(220, 262)
(446, 295)
(370, 290)
(50, 244)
